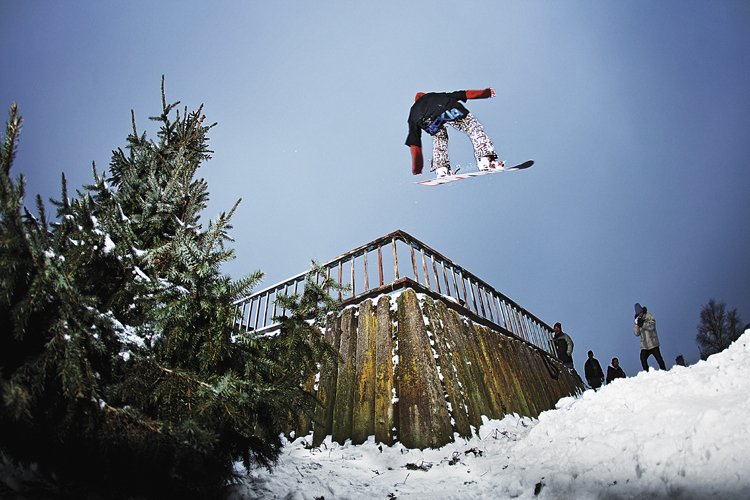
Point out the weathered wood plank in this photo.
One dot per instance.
(342, 412)
(468, 366)
(384, 373)
(327, 385)
(423, 416)
(447, 362)
(363, 415)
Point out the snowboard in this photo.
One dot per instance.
(459, 177)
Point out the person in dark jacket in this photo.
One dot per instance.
(563, 346)
(593, 372)
(431, 112)
(614, 371)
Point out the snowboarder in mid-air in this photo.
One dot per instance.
(431, 112)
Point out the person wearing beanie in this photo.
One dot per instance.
(593, 371)
(563, 346)
(431, 112)
(645, 328)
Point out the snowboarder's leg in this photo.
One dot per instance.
(484, 151)
(440, 162)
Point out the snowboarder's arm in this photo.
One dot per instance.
(480, 94)
(417, 162)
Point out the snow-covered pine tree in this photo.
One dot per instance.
(122, 370)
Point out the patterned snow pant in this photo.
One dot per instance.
(471, 127)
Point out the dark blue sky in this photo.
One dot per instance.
(637, 113)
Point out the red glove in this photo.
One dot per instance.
(417, 162)
(480, 94)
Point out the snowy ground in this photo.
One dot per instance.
(682, 433)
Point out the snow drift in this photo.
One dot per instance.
(681, 433)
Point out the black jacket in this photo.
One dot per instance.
(593, 370)
(431, 111)
(613, 373)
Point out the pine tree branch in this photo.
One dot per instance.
(119, 412)
(135, 130)
(186, 377)
(10, 144)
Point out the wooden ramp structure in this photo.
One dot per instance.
(426, 349)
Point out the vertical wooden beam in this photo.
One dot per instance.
(380, 266)
(341, 278)
(489, 304)
(384, 383)
(445, 278)
(395, 261)
(257, 312)
(493, 305)
(363, 415)
(452, 385)
(435, 273)
(467, 364)
(273, 311)
(367, 278)
(342, 413)
(426, 272)
(327, 384)
(473, 298)
(422, 414)
(414, 264)
(481, 302)
(463, 287)
(265, 309)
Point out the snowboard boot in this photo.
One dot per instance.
(490, 162)
(443, 171)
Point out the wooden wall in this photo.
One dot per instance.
(412, 369)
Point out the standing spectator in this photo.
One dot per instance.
(563, 346)
(614, 371)
(593, 372)
(645, 328)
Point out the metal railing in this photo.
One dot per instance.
(374, 269)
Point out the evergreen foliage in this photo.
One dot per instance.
(717, 328)
(122, 371)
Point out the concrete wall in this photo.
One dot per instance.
(412, 369)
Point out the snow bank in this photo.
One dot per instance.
(682, 434)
